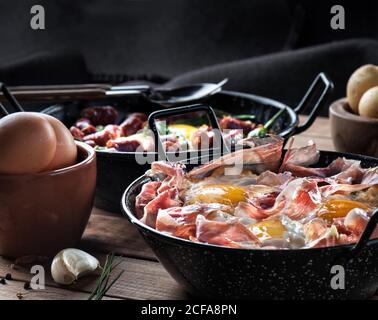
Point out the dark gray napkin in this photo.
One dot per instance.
(285, 76)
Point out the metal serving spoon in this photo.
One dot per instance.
(170, 96)
(166, 97)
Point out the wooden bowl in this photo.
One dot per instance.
(351, 132)
(43, 213)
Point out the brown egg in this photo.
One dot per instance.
(27, 143)
(66, 151)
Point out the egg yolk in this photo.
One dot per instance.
(185, 129)
(218, 193)
(272, 228)
(339, 208)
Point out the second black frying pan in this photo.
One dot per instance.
(116, 170)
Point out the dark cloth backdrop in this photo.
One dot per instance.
(268, 47)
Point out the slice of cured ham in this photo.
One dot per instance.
(230, 233)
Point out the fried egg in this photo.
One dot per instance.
(267, 229)
(216, 193)
(183, 129)
(219, 188)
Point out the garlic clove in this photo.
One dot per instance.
(70, 264)
(79, 262)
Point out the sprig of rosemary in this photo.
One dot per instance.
(103, 285)
(262, 131)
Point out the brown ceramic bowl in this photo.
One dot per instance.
(43, 213)
(351, 132)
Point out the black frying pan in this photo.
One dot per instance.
(218, 272)
(115, 170)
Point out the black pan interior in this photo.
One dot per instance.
(224, 103)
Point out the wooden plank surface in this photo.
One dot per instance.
(108, 232)
(319, 132)
(320, 128)
(144, 277)
(321, 142)
(14, 290)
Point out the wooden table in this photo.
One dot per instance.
(144, 277)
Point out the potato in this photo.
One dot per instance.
(368, 106)
(360, 81)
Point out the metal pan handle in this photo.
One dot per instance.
(307, 100)
(11, 99)
(179, 111)
(365, 237)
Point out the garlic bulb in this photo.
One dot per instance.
(70, 264)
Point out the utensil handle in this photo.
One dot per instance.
(138, 87)
(159, 148)
(306, 102)
(365, 237)
(3, 112)
(121, 90)
(127, 92)
(73, 92)
(56, 95)
(57, 87)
